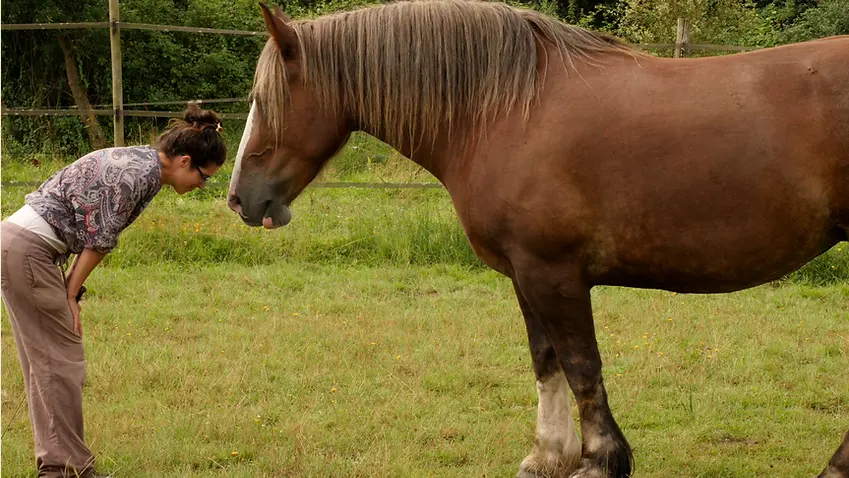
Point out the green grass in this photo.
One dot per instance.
(365, 339)
(325, 370)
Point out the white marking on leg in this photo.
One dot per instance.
(557, 447)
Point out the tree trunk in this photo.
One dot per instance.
(95, 132)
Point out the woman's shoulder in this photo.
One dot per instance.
(120, 156)
(130, 153)
(125, 167)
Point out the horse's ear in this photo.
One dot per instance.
(279, 29)
(279, 13)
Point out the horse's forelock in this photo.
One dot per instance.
(270, 92)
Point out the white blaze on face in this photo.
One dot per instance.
(237, 167)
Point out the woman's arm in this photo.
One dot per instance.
(83, 265)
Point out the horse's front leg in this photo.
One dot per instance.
(560, 300)
(557, 449)
(838, 466)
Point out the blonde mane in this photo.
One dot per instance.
(421, 65)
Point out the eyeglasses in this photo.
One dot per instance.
(203, 177)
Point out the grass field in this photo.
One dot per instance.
(365, 339)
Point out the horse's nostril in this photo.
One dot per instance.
(235, 203)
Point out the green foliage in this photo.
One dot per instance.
(157, 66)
(830, 17)
(163, 66)
(718, 22)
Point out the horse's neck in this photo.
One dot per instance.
(439, 155)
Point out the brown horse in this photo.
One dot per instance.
(572, 161)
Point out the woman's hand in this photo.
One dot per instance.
(83, 265)
(75, 312)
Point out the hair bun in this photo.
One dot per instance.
(194, 114)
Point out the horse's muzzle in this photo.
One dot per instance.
(275, 214)
(235, 204)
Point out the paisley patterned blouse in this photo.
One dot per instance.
(91, 201)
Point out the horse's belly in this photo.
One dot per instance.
(711, 268)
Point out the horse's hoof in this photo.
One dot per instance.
(531, 469)
(558, 471)
(833, 472)
(590, 469)
(529, 474)
(588, 472)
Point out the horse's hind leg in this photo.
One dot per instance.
(561, 302)
(557, 450)
(838, 466)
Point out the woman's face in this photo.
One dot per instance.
(190, 177)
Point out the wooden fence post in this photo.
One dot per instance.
(682, 38)
(117, 84)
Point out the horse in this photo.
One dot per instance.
(572, 160)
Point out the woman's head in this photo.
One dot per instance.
(193, 148)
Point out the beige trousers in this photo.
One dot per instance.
(51, 354)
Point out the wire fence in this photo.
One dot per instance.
(318, 185)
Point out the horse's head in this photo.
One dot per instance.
(289, 135)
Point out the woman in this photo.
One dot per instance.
(81, 210)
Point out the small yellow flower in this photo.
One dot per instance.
(234, 453)
(398, 358)
(636, 347)
(333, 390)
(295, 314)
(265, 307)
(659, 354)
